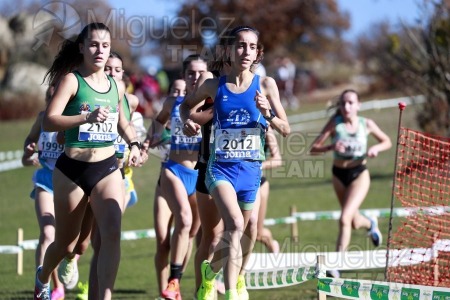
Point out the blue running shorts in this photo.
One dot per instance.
(244, 176)
(187, 176)
(42, 178)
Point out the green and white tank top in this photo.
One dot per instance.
(355, 143)
(96, 135)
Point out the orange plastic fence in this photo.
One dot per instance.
(422, 179)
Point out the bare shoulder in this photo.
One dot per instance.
(268, 85)
(68, 84)
(267, 82)
(120, 86)
(69, 78)
(133, 101)
(371, 123)
(372, 127)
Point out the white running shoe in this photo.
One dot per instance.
(374, 232)
(333, 274)
(68, 272)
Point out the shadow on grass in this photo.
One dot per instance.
(118, 294)
(130, 292)
(18, 295)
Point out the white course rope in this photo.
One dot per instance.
(375, 212)
(32, 244)
(10, 165)
(10, 249)
(378, 212)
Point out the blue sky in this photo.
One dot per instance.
(363, 13)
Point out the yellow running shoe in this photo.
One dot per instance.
(241, 288)
(83, 291)
(207, 289)
(231, 295)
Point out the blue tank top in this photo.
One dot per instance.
(355, 143)
(238, 126)
(179, 141)
(49, 149)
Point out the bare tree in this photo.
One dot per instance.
(416, 59)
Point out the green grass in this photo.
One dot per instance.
(136, 278)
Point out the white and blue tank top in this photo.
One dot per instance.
(48, 149)
(179, 141)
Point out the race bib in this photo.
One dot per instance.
(100, 132)
(353, 148)
(120, 145)
(48, 147)
(178, 136)
(237, 144)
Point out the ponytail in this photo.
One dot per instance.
(219, 59)
(259, 57)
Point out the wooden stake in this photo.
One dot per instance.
(320, 269)
(20, 253)
(294, 229)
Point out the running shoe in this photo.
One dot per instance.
(374, 232)
(58, 294)
(241, 288)
(83, 291)
(41, 291)
(68, 272)
(207, 289)
(333, 274)
(172, 291)
(231, 295)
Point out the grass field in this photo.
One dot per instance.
(291, 185)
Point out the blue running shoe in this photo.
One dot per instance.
(41, 291)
